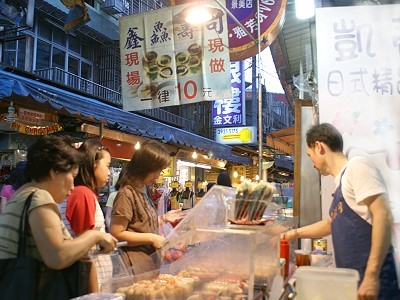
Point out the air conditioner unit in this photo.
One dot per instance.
(113, 7)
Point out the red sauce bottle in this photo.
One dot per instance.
(284, 253)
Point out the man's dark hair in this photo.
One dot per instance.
(51, 152)
(327, 134)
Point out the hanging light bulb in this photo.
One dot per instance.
(305, 9)
(242, 178)
(194, 155)
(137, 145)
(257, 177)
(235, 174)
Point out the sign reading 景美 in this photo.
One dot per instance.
(241, 45)
(166, 61)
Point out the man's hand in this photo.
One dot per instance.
(369, 288)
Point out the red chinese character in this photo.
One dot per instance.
(215, 45)
(131, 59)
(217, 65)
(133, 78)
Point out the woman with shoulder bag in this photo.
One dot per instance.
(48, 266)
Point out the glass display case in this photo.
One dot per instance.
(220, 260)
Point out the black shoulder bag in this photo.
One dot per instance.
(27, 278)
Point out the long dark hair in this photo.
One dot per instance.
(151, 157)
(93, 151)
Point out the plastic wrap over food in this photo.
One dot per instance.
(207, 257)
(223, 264)
(210, 212)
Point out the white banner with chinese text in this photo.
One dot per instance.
(166, 61)
(359, 88)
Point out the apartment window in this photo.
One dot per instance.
(86, 70)
(277, 109)
(59, 37)
(21, 54)
(74, 44)
(73, 68)
(44, 30)
(43, 55)
(14, 54)
(86, 51)
(64, 51)
(58, 59)
(73, 65)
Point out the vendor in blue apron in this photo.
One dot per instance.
(360, 218)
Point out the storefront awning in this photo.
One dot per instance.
(282, 140)
(76, 104)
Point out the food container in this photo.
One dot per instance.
(248, 205)
(326, 283)
(320, 245)
(302, 257)
(321, 259)
(220, 260)
(101, 296)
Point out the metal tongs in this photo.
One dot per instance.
(96, 252)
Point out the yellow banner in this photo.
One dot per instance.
(35, 130)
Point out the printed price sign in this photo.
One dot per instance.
(166, 61)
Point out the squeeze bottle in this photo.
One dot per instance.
(284, 253)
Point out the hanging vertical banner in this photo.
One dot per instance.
(359, 87)
(231, 112)
(166, 61)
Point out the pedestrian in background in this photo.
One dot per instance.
(13, 180)
(110, 200)
(224, 179)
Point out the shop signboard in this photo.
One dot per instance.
(231, 112)
(359, 88)
(166, 61)
(187, 156)
(169, 171)
(236, 135)
(241, 45)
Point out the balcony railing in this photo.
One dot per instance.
(108, 95)
(79, 83)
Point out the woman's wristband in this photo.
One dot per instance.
(295, 234)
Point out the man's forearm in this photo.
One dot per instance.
(381, 235)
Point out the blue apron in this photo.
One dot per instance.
(351, 237)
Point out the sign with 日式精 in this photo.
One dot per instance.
(359, 90)
(166, 61)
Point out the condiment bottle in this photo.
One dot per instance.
(284, 253)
